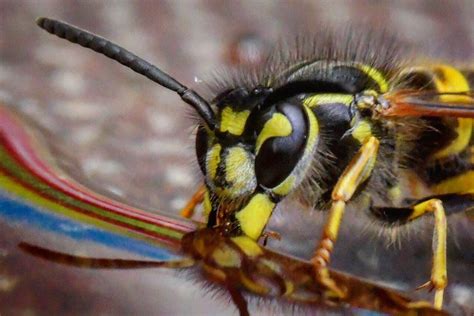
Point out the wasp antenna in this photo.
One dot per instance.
(130, 60)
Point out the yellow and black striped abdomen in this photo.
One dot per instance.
(450, 168)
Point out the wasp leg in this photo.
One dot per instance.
(358, 170)
(439, 207)
(238, 300)
(196, 199)
(439, 276)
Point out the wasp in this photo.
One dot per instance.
(335, 126)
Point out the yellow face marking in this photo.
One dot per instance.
(207, 205)
(239, 170)
(254, 216)
(362, 130)
(233, 122)
(277, 126)
(248, 246)
(449, 79)
(213, 160)
(327, 98)
(376, 75)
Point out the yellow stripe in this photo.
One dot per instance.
(452, 80)
(32, 197)
(239, 172)
(328, 98)
(213, 160)
(233, 122)
(219, 275)
(236, 160)
(313, 130)
(252, 286)
(248, 246)
(226, 257)
(254, 216)
(463, 183)
(207, 205)
(277, 126)
(362, 131)
(285, 187)
(376, 75)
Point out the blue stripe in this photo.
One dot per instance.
(19, 212)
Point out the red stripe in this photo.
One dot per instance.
(167, 240)
(17, 142)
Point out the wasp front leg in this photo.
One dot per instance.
(198, 197)
(358, 171)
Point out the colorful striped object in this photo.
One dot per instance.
(35, 191)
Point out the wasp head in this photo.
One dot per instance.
(259, 144)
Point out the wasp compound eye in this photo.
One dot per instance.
(202, 139)
(280, 143)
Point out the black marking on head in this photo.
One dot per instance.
(241, 98)
(278, 156)
(201, 147)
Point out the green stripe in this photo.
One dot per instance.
(13, 187)
(23, 175)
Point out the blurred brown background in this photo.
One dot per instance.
(131, 139)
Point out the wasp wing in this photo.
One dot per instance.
(429, 103)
